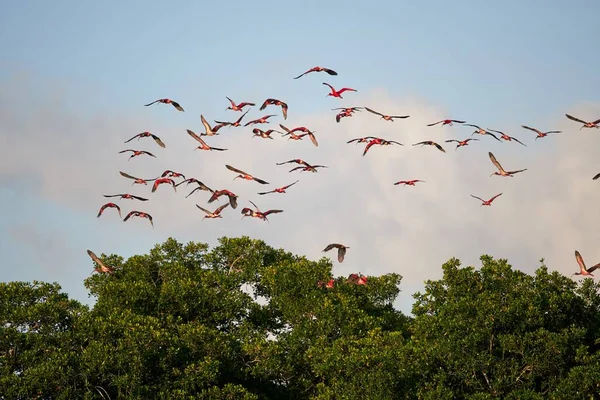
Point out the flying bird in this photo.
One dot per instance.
(293, 136)
(264, 134)
(109, 205)
(172, 174)
(234, 124)
(100, 267)
(447, 122)
(408, 183)
(275, 102)
(247, 212)
(365, 139)
(166, 101)
(338, 93)
(261, 120)
(160, 181)
(386, 117)
(201, 186)
(461, 143)
(593, 124)
(295, 161)
(582, 269)
(345, 112)
(487, 202)
(213, 214)
(232, 197)
(136, 153)
(381, 142)
(208, 130)
(540, 134)
(481, 131)
(308, 168)
(238, 107)
(430, 143)
(147, 134)
(138, 181)
(507, 138)
(317, 69)
(126, 196)
(203, 145)
(279, 190)
(501, 171)
(188, 181)
(140, 215)
(341, 250)
(245, 175)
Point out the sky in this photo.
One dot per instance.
(74, 77)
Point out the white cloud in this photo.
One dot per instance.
(547, 211)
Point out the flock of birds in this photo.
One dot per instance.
(169, 177)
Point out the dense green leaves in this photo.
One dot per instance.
(246, 321)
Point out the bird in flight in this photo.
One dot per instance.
(501, 170)
(430, 143)
(408, 183)
(109, 205)
(248, 212)
(100, 267)
(338, 93)
(213, 214)
(203, 145)
(593, 124)
(461, 143)
(275, 102)
(279, 190)
(540, 134)
(166, 101)
(487, 202)
(245, 175)
(136, 153)
(449, 122)
(140, 215)
(238, 107)
(317, 69)
(481, 131)
(582, 269)
(341, 250)
(147, 134)
(126, 196)
(386, 117)
(507, 138)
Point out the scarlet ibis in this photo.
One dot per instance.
(487, 202)
(481, 131)
(293, 136)
(147, 134)
(365, 139)
(540, 134)
(357, 279)
(408, 183)
(593, 124)
(342, 114)
(136, 153)
(348, 109)
(201, 186)
(275, 102)
(447, 122)
(126, 196)
(234, 124)
(213, 214)
(507, 138)
(338, 93)
(279, 190)
(430, 143)
(295, 161)
(208, 130)
(188, 181)
(264, 134)
(501, 170)
(247, 212)
(203, 145)
(166, 101)
(101, 267)
(172, 174)
(139, 181)
(109, 205)
(461, 143)
(341, 250)
(160, 181)
(308, 168)
(582, 269)
(139, 214)
(329, 284)
(317, 69)
(232, 197)
(245, 175)
(261, 120)
(386, 117)
(380, 142)
(238, 107)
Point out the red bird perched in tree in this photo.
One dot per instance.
(317, 69)
(109, 205)
(126, 196)
(166, 101)
(279, 190)
(232, 197)
(329, 285)
(338, 93)
(138, 181)
(447, 122)
(275, 102)
(160, 181)
(461, 143)
(487, 202)
(262, 120)
(408, 183)
(139, 214)
(247, 212)
(137, 153)
(147, 134)
(238, 107)
(357, 279)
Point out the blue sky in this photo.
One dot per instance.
(495, 64)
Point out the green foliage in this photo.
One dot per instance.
(246, 321)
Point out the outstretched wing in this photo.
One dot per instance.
(495, 162)
(204, 209)
(373, 111)
(198, 138)
(580, 261)
(341, 254)
(158, 141)
(478, 198)
(496, 196)
(239, 171)
(221, 208)
(575, 119)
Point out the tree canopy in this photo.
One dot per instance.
(246, 321)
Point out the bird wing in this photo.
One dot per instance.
(580, 261)
(125, 151)
(452, 140)
(240, 118)
(530, 128)
(474, 126)
(198, 138)
(272, 212)
(265, 104)
(496, 196)
(575, 119)
(127, 141)
(148, 153)
(478, 198)
(330, 87)
(255, 206)
(492, 130)
(330, 246)
(457, 121)
(291, 184)
(203, 209)
(341, 254)
(94, 257)
(260, 181)
(177, 105)
(517, 140)
(239, 171)
(221, 208)
(368, 146)
(517, 171)
(302, 74)
(553, 132)
(131, 213)
(400, 116)
(139, 198)
(416, 144)
(373, 111)
(330, 71)
(149, 104)
(440, 148)
(158, 141)
(593, 268)
(495, 162)
(435, 123)
(205, 123)
(285, 128)
(284, 110)
(127, 175)
(313, 139)
(492, 135)
(231, 101)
